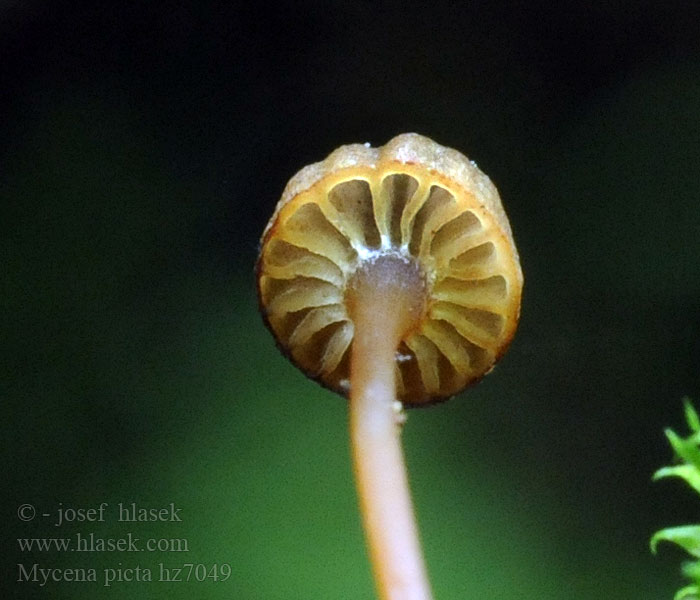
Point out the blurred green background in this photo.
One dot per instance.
(142, 150)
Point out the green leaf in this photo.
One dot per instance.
(685, 449)
(687, 593)
(686, 536)
(690, 473)
(691, 416)
(691, 569)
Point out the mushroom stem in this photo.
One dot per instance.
(386, 297)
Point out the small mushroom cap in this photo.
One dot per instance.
(415, 199)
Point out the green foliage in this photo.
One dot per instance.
(687, 536)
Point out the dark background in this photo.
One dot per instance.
(142, 150)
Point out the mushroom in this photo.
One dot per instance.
(390, 276)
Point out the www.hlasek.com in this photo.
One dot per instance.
(91, 543)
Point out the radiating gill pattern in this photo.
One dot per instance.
(323, 233)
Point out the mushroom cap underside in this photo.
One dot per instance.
(415, 199)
